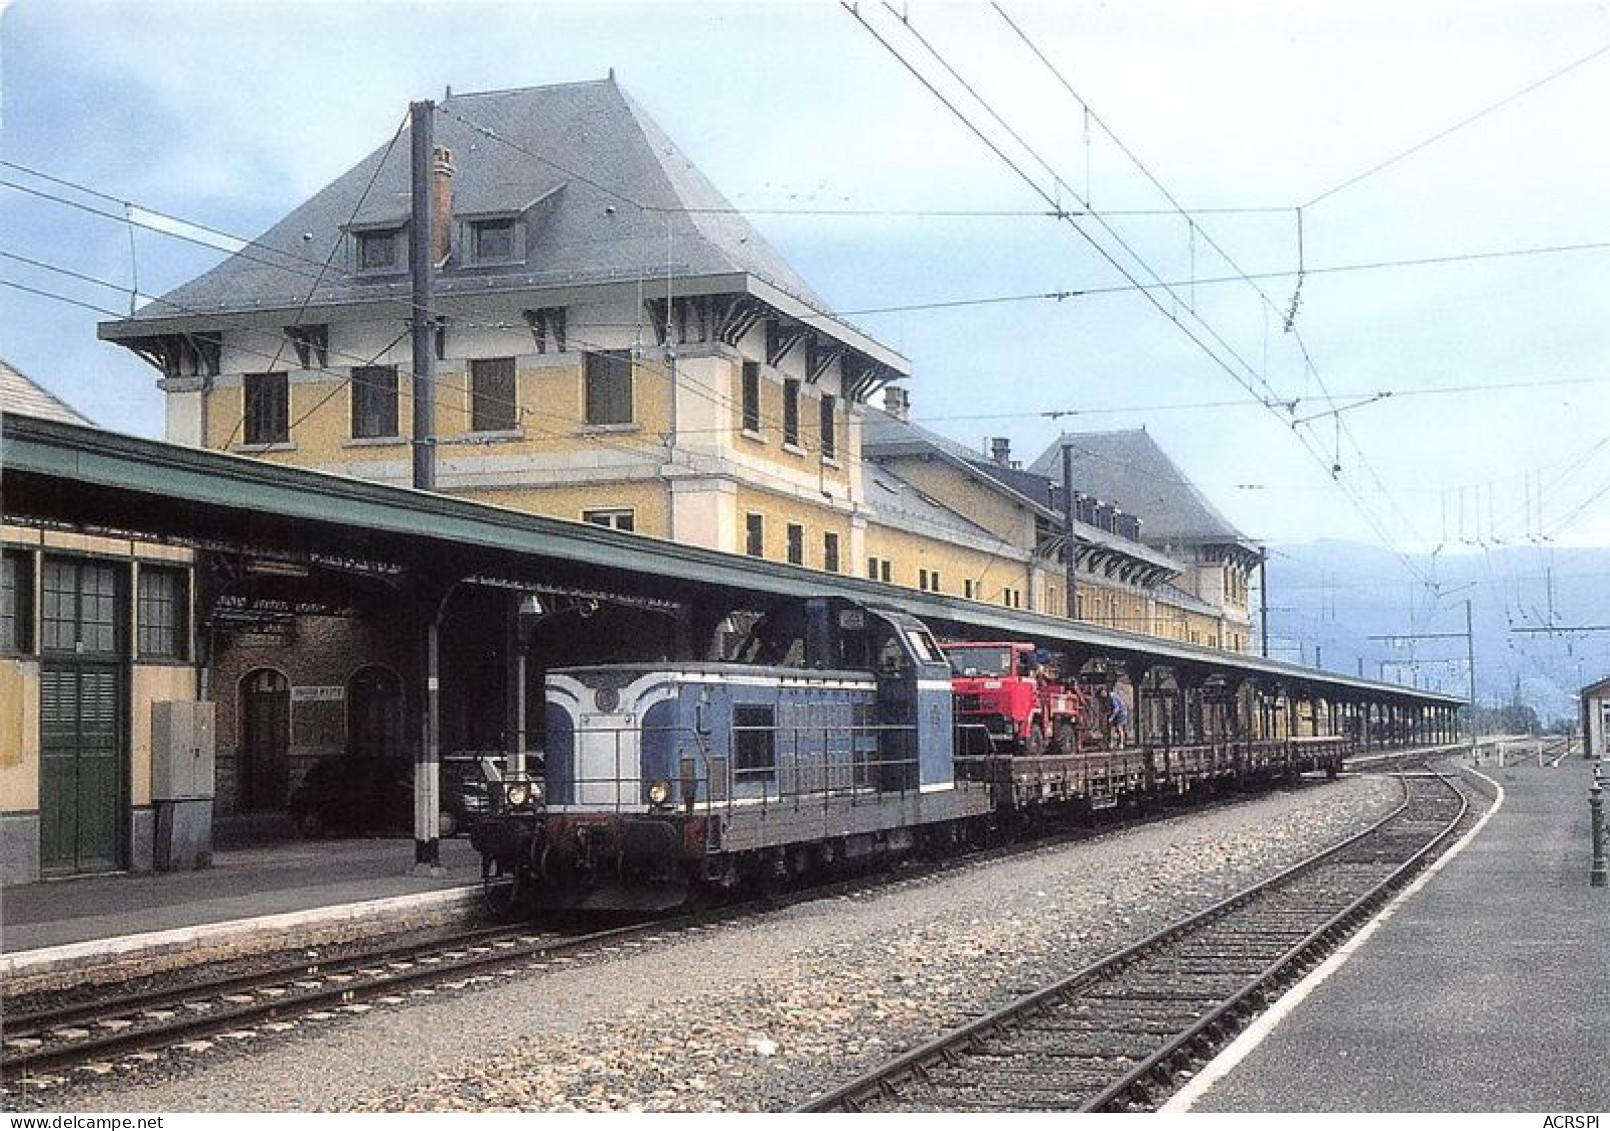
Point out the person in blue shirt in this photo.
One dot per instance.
(1117, 719)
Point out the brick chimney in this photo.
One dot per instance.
(897, 402)
(441, 223)
(1000, 450)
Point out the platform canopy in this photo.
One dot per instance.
(70, 475)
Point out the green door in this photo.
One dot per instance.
(80, 768)
(83, 749)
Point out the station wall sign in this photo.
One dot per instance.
(312, 694)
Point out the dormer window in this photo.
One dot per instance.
(379, 249)
(493, 241)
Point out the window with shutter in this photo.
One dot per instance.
(751, 396)
(791, 412)
(16, 602)
(492, 395)
(268, 408)
(609, 388)
(374, 401)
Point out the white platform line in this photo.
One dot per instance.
(1239, 1049)
(123, 946)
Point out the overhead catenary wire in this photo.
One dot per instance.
(1051, 414)
(1039, 190)
(1269, 304)
(1459, 125)
(1061, 294)
(324, 269)
(1036, 211)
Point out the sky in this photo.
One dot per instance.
(1191, 144)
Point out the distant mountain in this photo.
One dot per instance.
(1329, 600)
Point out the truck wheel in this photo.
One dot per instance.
(1036, 739)
(1067, 738)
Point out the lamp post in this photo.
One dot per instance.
(1596, 877)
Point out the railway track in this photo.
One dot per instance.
(122, 1033)
(1118, 1034)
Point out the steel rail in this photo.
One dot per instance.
(852, 1096)
(1113, 1097)
(30, 1026)
(33, 1022)
(21, 1064)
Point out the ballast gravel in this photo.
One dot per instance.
(762, 1014)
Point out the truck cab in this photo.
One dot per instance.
(1002, 687)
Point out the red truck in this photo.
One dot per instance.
(1023, 704)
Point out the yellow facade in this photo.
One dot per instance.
(767, 443)
(622, 467)
(148, 682)
(19, 735)
(992, 574)
(151, 683)
(647, 499)
(778, 512)
(968, 495)
(551, 417)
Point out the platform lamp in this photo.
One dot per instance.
(527, 615)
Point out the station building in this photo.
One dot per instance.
(615, 344)
(1594, 702)
(1180, 573)
(98, 688)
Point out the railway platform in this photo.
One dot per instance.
(251, 897)
(1487, 989)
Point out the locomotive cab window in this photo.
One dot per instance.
(924, 647)
(754, 743)
(892, 657)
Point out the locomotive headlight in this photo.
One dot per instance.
(659, 792)
(517, 794)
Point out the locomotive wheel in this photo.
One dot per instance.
(1036, 744)
(1067, 738)
(501, 894)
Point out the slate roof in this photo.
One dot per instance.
(1181, 598)
(607, 197)
(886, 436)
(1128, 469)
(22, 396)
(891, 498)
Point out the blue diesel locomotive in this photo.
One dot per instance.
(829, 739)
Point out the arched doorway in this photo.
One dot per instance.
(374, 713)
(265, 741)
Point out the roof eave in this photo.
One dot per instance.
(460, 296)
